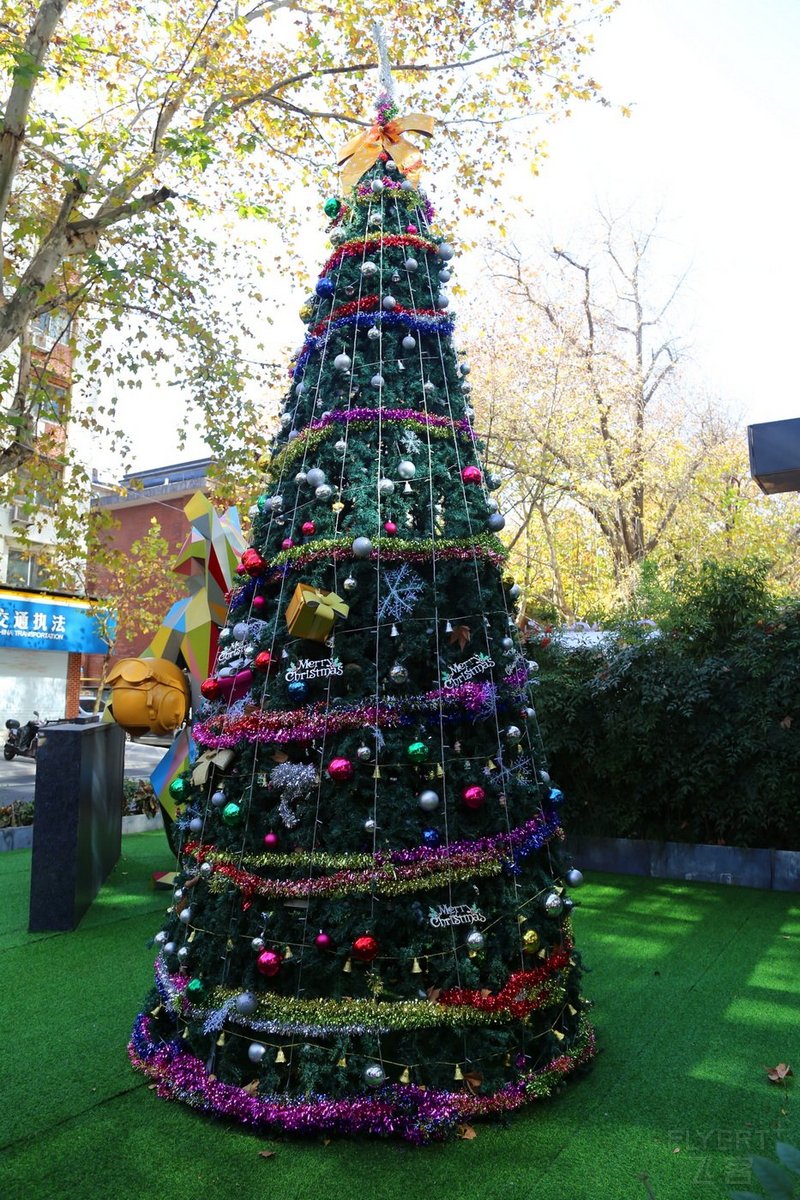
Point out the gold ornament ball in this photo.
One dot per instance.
(530, 941)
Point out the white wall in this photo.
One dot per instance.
(32, 679)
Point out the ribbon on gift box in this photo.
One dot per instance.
(358, 155)
(219, 759)
(311, 613)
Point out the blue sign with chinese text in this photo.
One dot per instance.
(31, 622)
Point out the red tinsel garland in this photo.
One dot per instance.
(358, 245)
(512, 997)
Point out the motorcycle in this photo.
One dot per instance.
(22, 739)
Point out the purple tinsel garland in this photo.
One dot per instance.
(418, 1115)
(317, 720)
(343, 415)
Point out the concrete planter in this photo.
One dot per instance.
(16, 837)
(775, 870)
(20, 837)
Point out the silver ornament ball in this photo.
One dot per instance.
(363, 753)
(428, 800)
(349, 584)
(246, 1004)
(496, 522)
(323, 492)
(362, 547)
(574, 877)
(385, 487)
(409, 342)
(218, 799)
(475, 939)
(374, 1075)
(257, 944)
(553, 904)
(256, 1052)
(183, 953)
(342, 362)
(315, 477)
(513, 734)
(406, 469)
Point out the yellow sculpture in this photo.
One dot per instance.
(148, 695)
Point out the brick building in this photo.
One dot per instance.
(43, 632)
(161, 494)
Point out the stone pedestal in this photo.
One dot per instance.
(78, 820)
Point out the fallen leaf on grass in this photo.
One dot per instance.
(676, 1150)
(266, 1154)
(780, 1073)
(466, 1133)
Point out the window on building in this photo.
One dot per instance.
(24, 570)
(49, 328)
(38, 486)
(50, 402)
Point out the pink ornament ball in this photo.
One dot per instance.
(390, 528)
(308, 528)
(259, 603)
(287, 544)
(323, 941)
(269, 962)
(472, 475)
(271, 841)
(340, 769)
(473, 796)
(241, 569)
(411, 229)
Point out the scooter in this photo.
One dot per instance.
(22, 739)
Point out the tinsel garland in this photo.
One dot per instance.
(517, 994)
(360, 419)
(394, 549)
(421, 320)
(366, 304)
(387, 878)
(357, 246)
(523, 993)
(221, 731)
(416, 1114)
(519, 842)
(411, 199)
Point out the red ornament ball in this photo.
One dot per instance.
(263, 661)
(210, 689)
(323, 941)
(365, 948)
(287, 544)
(340, 769)
(308, 529)
(253, 562)
(271, 841)
(269, 963)
(472, 474)
(473, 796)
(390, 528)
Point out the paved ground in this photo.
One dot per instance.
(17, 777)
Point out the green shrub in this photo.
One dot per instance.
(138, 797)
(687, 736)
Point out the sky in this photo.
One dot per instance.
(712, 145)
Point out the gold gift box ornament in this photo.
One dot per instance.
(311, 613)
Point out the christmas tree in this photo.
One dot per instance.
(370, 930)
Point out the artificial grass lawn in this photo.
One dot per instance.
(695, 987)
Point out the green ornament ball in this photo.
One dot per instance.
(196, 989)
(331, 206)
(178, 788)
(231, 814)
(417, 752)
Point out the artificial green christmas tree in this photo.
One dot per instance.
(370, 930)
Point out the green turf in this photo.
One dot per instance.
(696, 989)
